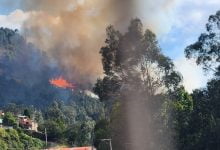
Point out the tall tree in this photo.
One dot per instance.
(27, 113)
(137, 79)
(135, 57)
(203, 132)
(207, 49)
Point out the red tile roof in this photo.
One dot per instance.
(75, 148)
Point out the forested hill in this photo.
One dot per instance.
(25, 86)
(25, 73)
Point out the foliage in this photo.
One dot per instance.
(135, 59)
(85, 134)
(138, 75)
(102, 131)
(201, 128)
(207, 49)
(72, 122)
(198, 126)
(55, 129)
(9, 120)
(71, 134)
(13, 139)
(27, 113)
(182, 106)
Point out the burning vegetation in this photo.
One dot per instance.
(62, 83)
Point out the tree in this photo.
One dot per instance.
(182, 106)
(138, 78)
(135, 58)
(55, 130)
(71, 134)
(85, 134)
(27, 113)
(206, 50)
(204, 132)
(101, 131)
(38, 117)
(13, 108)
(9, 120)
(54, 111)
(15, 139)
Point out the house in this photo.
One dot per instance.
(1, 122)
(1, 118)
(80, 148)
(1, 114)
(27, 123)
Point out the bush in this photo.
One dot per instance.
(13, 139)
(9, 120)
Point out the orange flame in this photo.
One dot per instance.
(61, 83)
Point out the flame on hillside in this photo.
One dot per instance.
(62, 83)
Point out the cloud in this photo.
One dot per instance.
(215, 2)
(193, 75)
(188, 22)
(14, 20)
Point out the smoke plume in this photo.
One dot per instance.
(72, 32)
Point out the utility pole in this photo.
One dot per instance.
(45, 132)
(110, 144)
(92, 139)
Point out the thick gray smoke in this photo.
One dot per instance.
(72, 31)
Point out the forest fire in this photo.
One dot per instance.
(62, 83)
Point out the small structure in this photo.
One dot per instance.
(81, 148)
(1, 122)
(2, 114)
(27, 123)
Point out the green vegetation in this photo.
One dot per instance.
(191, 121)
(9, 120)
(200, 129)
(138, 75)
(72, 123)
(16, 139)
(66, 124)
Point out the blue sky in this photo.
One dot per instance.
(189, 25)
(177, 24)
(190, 19)
(7, 6)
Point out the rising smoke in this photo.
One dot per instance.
(72, 31)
